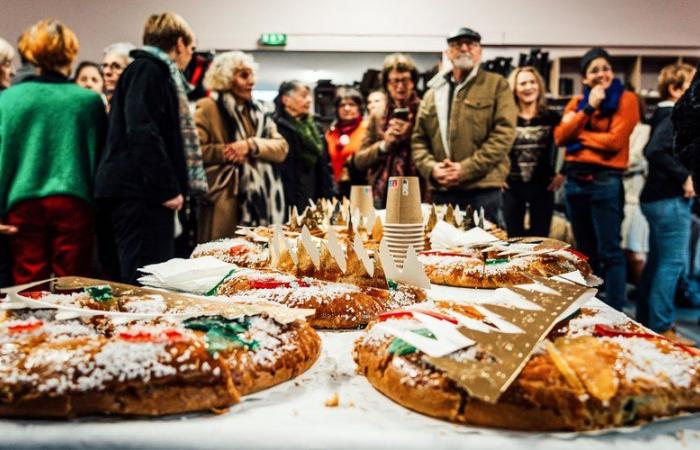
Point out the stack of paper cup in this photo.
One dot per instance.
(361, 199)
(404, 217)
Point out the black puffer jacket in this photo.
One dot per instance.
(144, 157)
(686, 128)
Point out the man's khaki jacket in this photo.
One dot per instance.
(479, 135)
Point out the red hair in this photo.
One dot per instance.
(49, 44)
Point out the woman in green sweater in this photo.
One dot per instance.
(50, 132)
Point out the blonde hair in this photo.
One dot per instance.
(674, 75)
(513, 78)
(49, 44)
(224, 67)
(7, 52)
(163, 30)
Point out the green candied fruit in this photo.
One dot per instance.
(399, 347)
(101, 293)
(490, 262)
(213, 290)
(222, 333)
(393, 285)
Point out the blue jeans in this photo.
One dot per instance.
(595, 208)
(669, 242)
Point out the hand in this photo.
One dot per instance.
(237, 152)
(175, 203)
(447, 173)
(556, 182)
(504, 186)
(396, 131)
(596, 96)
(568, 117)
(8, 229)
(688, 188)
(454, 174)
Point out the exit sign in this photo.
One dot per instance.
(273, 39)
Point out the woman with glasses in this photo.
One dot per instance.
(386, 149)
(596, 129)
(345, 137)
(116, 58)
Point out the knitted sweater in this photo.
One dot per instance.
(605, 139)
(50, 133)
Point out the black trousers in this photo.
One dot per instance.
(489, 199)
(521, 197)
(143, 234)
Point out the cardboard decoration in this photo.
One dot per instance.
(403, 201)
(307, 243)
(362, 254)
(204, 306)
(488, 379)
(449, 216)
(336, 250)
(432, 220)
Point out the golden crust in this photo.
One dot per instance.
(302, 349)
(540, 398)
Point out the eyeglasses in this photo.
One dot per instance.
(596, 70)
(113, 66)
(396, 81)
(461, 42)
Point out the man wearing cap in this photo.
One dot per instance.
(465, 129)
(595, 129)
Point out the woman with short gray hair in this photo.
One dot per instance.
(240, 149)
(116, 58)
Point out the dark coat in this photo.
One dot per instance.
(686, 132)
(144, 157)
(666, 173)
(300, 182)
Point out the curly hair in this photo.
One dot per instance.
(224, 67)
(401, 63)
(49, 44)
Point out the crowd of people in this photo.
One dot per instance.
(97, 164)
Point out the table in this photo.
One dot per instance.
(294, 415)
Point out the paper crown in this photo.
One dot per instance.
(344, 262)
(507, 335)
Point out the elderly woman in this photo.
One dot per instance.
(47, 195)
(116, 58)
(7, 55)
(386, 150)
(345, 137)
(240, 145)
(306, 173)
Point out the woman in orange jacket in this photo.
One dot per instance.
(345, 137)
(595, 129)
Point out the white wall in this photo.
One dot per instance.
(374, 25)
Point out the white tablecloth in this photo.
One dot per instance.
(293, 415)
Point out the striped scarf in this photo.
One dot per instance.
(193, 154)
